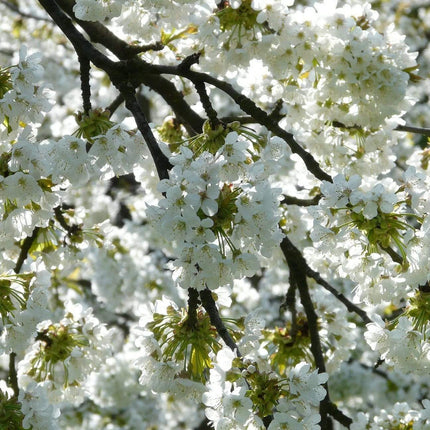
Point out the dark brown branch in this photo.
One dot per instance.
(298, 268)
(175, 99)
(411, 129)
(274, 115)
(290, 304)
(85, 83)
(193, 302)
(417, 130)
(189, 61)
(393, 254)
(25, 247)
(162, 163)
(210, 306)
(407, 128)
(12, 377)
(290, 200)
(115, 104)
(207, 105)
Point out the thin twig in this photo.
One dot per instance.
(348, 304)
(119, 99)
(25, 248)
(408, 128)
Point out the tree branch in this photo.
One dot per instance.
(411, 129)
(162, 163)
(100, 34)
(26, 245)
(348, 304)
(207, 105)
(119, 75)
(298, 269)
(249, 107)
(290, 200)
(85, 83)
(12, 377)
(210, 306)
(116, 103)
(193, 302)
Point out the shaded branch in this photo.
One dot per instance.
(210, 306)
(175, 99)
(411, 129)
(407, 128)
(274, 115)
(85, 83)
(101, 34)
(25, 247)
(290, 200)
(119, 99)
(393, 254)
(298, 271)
(12, 377)
(207, 105)
(162, 163)
(193, 302)
(290, 304)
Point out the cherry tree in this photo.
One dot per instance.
(214, 214)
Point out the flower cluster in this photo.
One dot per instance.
(62, 350)
(222, 214)
(400, 345)
(173, 337)
(22, 101)
(240, 395)
(94, 10)
(371, 219)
